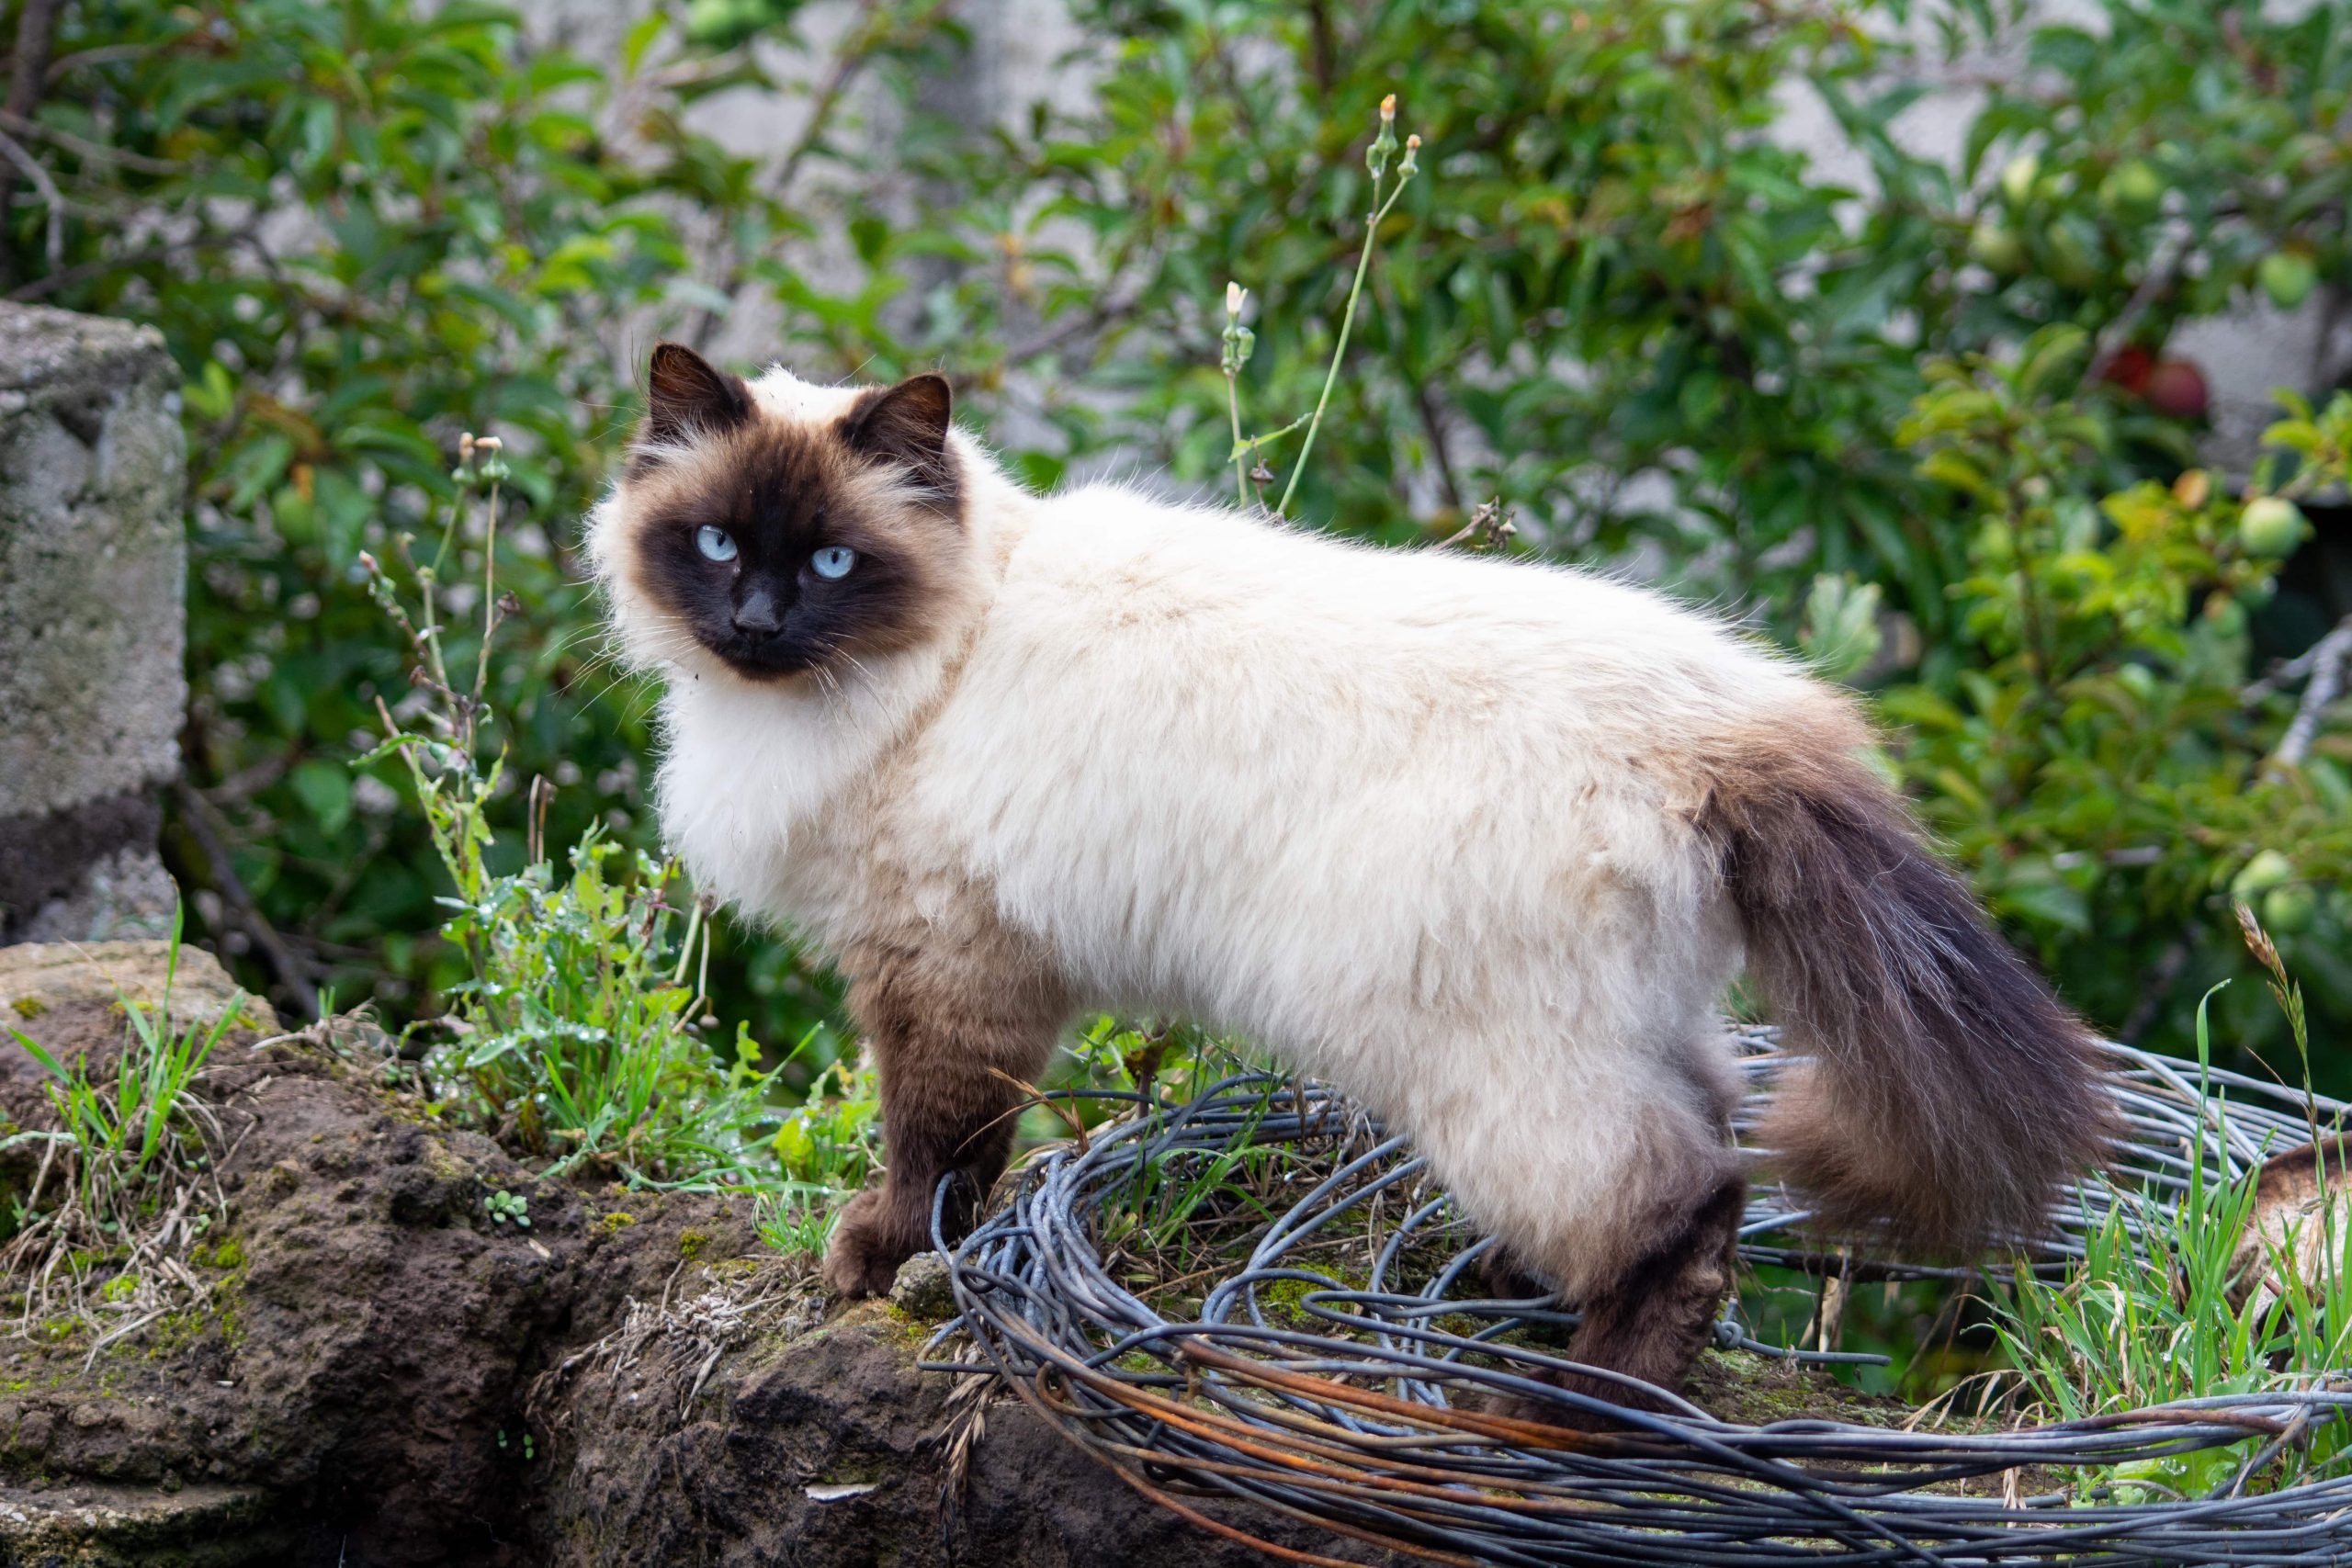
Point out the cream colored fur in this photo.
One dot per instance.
(1420, 823)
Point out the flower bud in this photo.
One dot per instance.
(1376, 156)
(1412, 161)
(1238, 339)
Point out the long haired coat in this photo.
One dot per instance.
(1481, 842)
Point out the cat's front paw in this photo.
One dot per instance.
(863, 1257)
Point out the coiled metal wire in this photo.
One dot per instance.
(1360, 1398)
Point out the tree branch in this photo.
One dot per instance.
(860, 42)
(51, 197)
(27, 73)
(2327, 658)
(293, 972)
(11, 120)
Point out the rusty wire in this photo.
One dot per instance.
(1357, 1409)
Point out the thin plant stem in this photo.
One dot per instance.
(431, 638)
(489, 598)
(1240, 468)
(1347, 323)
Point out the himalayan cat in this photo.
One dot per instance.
(1480, 841)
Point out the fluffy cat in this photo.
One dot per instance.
(1481, 843)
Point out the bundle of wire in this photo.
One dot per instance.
(1364, 1402)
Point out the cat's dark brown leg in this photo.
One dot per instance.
(1643, 1245)
(1648, 1318)
(1504, 1277)
(953, 1038)
(1652, 1321)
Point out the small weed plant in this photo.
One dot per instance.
(124, 1186)
(828, 1142)
(574, 1038)
(1238, 342)
(2168, 1302)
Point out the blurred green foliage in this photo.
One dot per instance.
(2102, 762)
(1613, 299)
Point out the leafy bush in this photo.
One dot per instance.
(1613, 301)
(2098, 751)
(1612, 271)
(363, 229)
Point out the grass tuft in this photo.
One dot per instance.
(2193, 1300)
(102, 1239)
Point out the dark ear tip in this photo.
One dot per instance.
(685, 393)
(929, 386)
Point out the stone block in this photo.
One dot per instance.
(93, 570)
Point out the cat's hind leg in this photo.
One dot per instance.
(1616, 1181)
(1654, 1317)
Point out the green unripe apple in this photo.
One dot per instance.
(2072, 260)
(1996, 247)
(723, 22)
(2132, 188)
(2017, 176)
(2288, 276)
(294, 514)
(2270, 525)
(2268, 871)
(2287, 910)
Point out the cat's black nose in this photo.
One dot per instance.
(758, 614)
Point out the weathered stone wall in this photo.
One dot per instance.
(93, 569)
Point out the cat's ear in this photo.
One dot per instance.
(686, 396)
(906, 425)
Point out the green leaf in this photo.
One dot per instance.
(639, 39)
(324, 790)
(257, 468)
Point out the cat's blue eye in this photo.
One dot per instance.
(716, 544)
(832, 561)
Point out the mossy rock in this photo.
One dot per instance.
(38, 977)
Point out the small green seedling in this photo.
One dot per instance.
(506, 1206)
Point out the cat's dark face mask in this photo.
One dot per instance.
(786, 547)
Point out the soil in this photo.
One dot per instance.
(384, 1375)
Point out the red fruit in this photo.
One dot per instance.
(2129, 369)
(2176, 388)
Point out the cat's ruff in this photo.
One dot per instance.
(1482, 843)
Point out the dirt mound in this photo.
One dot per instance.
(382, 1374)
(369, 1326)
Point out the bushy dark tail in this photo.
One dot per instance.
(1948, 1091)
